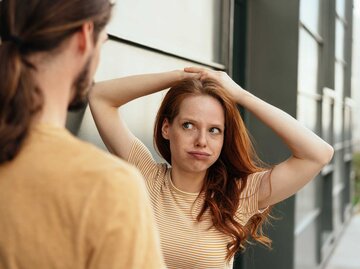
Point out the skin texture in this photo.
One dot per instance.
(196, 139)
(77, 62)
(83, 82)
(192, 148)
(309, 153)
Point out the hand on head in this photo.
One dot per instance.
(220, 76)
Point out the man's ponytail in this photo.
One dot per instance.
(19, 100)
(36, 26)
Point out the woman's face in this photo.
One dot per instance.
(196, 134)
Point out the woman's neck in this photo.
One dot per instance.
(187, 182)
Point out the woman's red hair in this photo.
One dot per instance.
(227, 177)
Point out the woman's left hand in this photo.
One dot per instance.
(221, 77)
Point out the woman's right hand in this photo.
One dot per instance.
(221, 77)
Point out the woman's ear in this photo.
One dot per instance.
(165, 129)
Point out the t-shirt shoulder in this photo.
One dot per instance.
(141, 157)
(249, 198)
(83, 159)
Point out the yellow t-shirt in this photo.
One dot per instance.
(187, 243)
(66, 204)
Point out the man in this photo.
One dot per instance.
(63, 202)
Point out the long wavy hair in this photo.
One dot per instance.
(227, 177)
(26, 28)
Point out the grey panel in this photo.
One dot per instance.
(305, 203)
(271, 73)
(306, 248)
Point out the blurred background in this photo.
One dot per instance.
(302, 56)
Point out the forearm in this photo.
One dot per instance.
(119, 91)
(309, 152)
(303, 143)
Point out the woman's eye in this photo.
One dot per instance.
(187, 125)
(215, 130)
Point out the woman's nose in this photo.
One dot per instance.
(201, 140)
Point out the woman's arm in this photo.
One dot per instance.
(106, 97)
(309, 152)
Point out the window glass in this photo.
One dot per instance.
(347, 123)
(339, 40)
(305, 202)
(338, 121)
(340, 8)
(308, 63)
(327, 119)
(339, 80)
(309, 14)
(307, 111)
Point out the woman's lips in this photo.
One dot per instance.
(200, 155)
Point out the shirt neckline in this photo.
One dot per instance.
(177, 190)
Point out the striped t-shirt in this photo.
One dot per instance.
(187, 243)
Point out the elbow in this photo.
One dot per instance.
(327, 155)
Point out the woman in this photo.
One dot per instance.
(215, 194)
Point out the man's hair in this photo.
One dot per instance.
(34, 26)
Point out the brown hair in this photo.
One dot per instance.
(227, 177)
(27, 28)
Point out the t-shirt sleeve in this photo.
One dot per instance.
(121, 231)
(249, 198)
(141, 157)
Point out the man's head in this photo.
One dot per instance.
(40, 27)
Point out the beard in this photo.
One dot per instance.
(81, 87)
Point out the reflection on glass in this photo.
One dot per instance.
(327, 119)
(307, 110)
(339, 40)
(310, 14)
(340, 8)
(305, 202)
(338, 121)
(339, 80)
(308, 63)
(347, 123)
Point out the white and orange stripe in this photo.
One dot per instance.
(187, 243)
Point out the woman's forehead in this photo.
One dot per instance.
(202, 107)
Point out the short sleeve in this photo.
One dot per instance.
(141, 157)
(249, 198)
